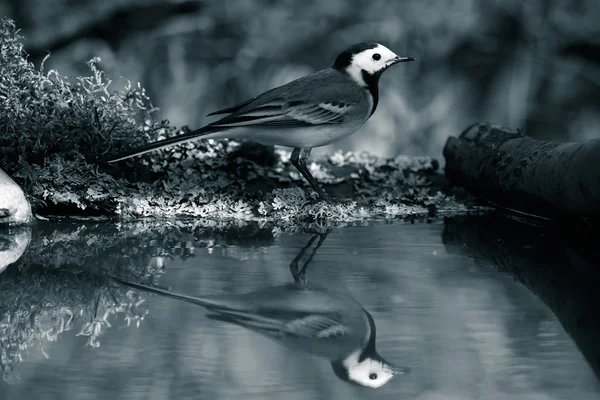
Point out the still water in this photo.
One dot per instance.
(452, 300)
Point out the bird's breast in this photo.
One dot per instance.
(303, 137)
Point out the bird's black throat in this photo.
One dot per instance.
(369, 350)
(372, 81)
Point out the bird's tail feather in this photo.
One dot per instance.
(220, 310)
(204, 302)
(161, 144)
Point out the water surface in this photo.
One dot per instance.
(453, 300)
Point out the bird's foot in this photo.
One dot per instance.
(303, 281)
(299, 274)
(327, 199)
(322, 195)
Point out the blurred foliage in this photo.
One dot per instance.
(521, 64)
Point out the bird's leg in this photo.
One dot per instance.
(300, 274)
(299, 157)
(322, 237)
(294, 264)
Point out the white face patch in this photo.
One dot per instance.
(364, 61)
(369, 372)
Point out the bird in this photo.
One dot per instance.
(315, 110)
(324, 322)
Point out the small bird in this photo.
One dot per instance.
(324, 322)
(312, 111)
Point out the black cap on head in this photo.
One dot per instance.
(345, 57)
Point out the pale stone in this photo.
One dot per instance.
(13, 243)
(14, 206)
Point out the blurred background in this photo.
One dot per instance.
(532, 65)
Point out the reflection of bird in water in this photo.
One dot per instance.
(320, 321)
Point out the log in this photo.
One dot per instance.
(550, 179)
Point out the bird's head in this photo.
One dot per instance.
(371, 371)
(364, 366)
(367, 58)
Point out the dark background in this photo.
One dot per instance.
(533, 65)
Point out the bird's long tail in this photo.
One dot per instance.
(222, 310)
(204, 302)
(161, 144)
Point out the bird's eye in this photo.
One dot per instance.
(373, 376)
(376, 56)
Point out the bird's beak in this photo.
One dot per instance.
(397, 370)
(397, 60)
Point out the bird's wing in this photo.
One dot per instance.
(326, 97)
(312, 326)
(288, 113)
(319, 326)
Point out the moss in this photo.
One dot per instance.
(64, 129)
